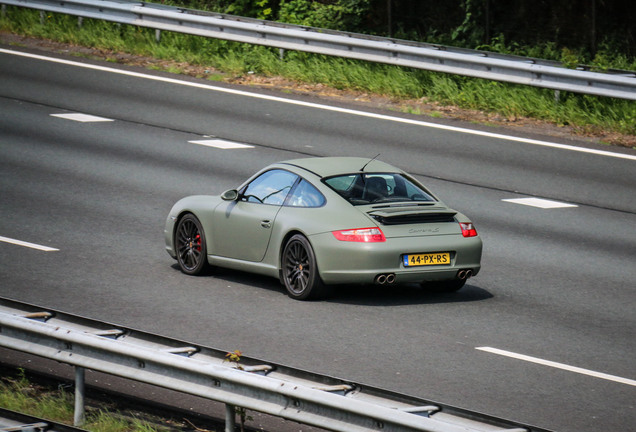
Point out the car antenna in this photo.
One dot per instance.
(365, 165)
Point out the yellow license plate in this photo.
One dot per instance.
(440, 258)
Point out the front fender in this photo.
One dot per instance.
(202, 206)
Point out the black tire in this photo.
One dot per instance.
(190, 245)
(299, 270)
(444, 286)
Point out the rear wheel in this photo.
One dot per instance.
(299, 270)
(190, 244)
(444, 286)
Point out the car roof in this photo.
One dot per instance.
(330, 166)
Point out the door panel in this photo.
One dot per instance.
(242, 229)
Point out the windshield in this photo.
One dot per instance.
(367, 188)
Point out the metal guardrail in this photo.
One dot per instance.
(293, 394)
(11, 421)
(479, 64)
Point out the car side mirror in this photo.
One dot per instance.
(230, 195)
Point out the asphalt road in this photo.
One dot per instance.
(557, 284)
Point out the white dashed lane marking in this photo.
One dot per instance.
(221, 144)
(556, 365)
(84, 118)
(539, 202)
(27, 244)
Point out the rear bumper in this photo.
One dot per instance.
(350, 262)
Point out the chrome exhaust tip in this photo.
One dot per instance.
(380, 279)
(390, 278)
(464, 274)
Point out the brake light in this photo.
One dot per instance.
(365, 235)
(468, 229)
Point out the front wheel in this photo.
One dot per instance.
(299, 270)
(190, 244)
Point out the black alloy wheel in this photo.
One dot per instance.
(300, 272)
(190, 245)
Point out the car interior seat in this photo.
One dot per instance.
(375, 189)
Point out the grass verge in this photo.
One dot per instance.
(18, 393)
(410, 90)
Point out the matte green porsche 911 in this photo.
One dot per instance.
(319, 222)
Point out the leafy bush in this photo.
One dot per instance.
(345, 15)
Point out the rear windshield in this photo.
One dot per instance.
(367, 188)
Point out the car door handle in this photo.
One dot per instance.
(266, 224)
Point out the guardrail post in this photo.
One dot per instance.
(42, 17)
(4, 10)
(158, 35)
(230, 418)
(79, 416)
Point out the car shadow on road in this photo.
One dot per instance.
(398, 295)
(364, 295)
(239, 277)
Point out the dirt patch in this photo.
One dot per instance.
(422, 107)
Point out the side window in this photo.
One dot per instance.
(271, 187)
(349, 187)
(342, 184)
(305, 195)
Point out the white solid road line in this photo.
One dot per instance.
(559, 365)
(27, 244)
(323, 107)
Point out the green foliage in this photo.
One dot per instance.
(608, 57)
(18, 394)
(471, 31)
(250, 8)
(346, 15)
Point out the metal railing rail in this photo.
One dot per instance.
(479, 64)
(11, 421)
(293, 394)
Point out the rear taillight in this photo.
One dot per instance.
(366, 235)
(468, 230)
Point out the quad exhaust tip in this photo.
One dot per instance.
(387, 278)
(464, 274)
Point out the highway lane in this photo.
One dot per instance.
(210, 110)
(557, 284)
